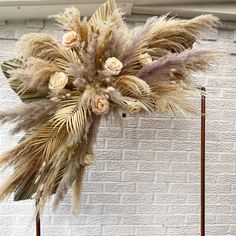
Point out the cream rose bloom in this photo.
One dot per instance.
(113, 66)
(88, 159)
(133, 107)
(100, 105)
(70, 39)
(145, 59)
(58, 81)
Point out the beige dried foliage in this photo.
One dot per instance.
(61, 127)
(132, 86)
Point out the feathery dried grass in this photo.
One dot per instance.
(187, 61)
(170, 98)
(71, 21)
(43, 46)
(29, 115)
(163, 37)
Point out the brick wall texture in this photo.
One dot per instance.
(145, 181)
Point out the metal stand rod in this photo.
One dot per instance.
(203, 144)
(38, 230)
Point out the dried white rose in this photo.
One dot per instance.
(113, 66)
(145, 59)
(133, 107)
(58, 81)
(88, 159)
(70, 39)
(100, 105)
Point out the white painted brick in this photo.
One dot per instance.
(138, 219)
(227, 157)
(120, 209)
(155, 145)
(137, 198)
(121, 165)
(232, 230)
(151, 230)
(210, 157)
(154, 166)
(19, 32)
(217, 229)
(89, 230)
(172, 219)
(217, 209)
(155, 123)
(97, 166)
(184, 209)
(104, 176)
(139, 133)
(100, 143)
(171, 156)
(138, 155)
(106, 132)
(90, 209)
(227, 198)
(183, 145)
(152, 188)
(130, 122)
(122, 143)
(104, 198)
(171, 198)
(185, 167)
(167, 134)
(183, 230)
(108, 154)
(118, 230)
(36, 23)
(92, 187)
(195, 199)
(196, 178)
(185, 188)
(220, 168)
(195, 219)
(155, 209)
(105, 219)
(137, 176)
(59, 220)
(218, 188)
(119, 187)
(224, 178)
(181, 124)
(170, 177)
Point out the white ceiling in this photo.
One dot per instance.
(11, 9)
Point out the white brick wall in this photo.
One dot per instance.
(146, 177)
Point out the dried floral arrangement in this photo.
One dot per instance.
(101, 69)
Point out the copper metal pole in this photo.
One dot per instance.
(203, 145)
(38, 230)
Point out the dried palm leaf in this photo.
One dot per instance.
(29, 95)
(132, 86)
(102, 14)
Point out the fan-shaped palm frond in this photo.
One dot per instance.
(132, 86)
(102, 14)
